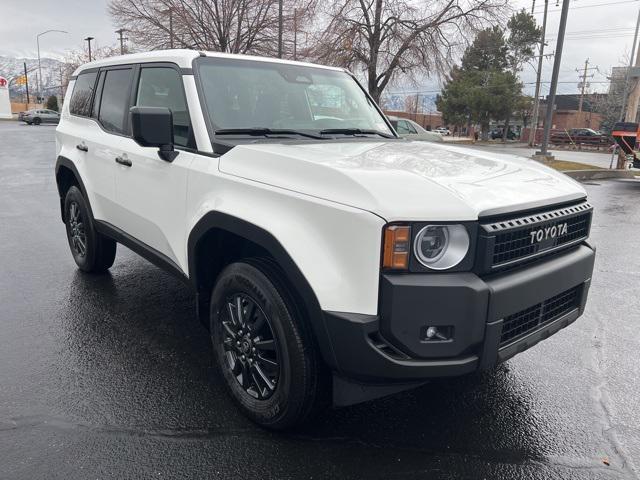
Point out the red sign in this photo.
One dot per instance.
(3, 82)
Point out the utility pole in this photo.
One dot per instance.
(171, 28)
(88, 40)
(295, 33)
(551, 98)
(26, 80)
(583, 83)
(533, 6)
(280, 27)
(536, 107)
(61, 87)
(634, 97)
(120, 32)
(626, 77)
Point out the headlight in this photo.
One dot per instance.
(440, 247)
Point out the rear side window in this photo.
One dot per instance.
(162, 87)
(114, 103)
(405, 127)
(82, 93)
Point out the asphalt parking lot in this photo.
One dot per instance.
(111, 377)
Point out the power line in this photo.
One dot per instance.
(593, 6)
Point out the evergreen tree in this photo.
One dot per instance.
(52, 103)
(486, 87)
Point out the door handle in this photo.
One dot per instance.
(123, 161)
(82, 148)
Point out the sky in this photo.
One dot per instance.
(601, 30)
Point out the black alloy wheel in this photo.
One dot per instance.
(92, 251)
(250, 348)
(263, 347)
(77, 234)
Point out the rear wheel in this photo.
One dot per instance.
(37, 121)
(267, 358)
(92, 251)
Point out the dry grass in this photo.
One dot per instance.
(564, 166)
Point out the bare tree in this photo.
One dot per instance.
(233, 26)
(74, 58)
(387, 37)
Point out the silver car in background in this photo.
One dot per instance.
(38, 116)
(412, 131)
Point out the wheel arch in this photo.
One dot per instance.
(217, 229)
(67, 175)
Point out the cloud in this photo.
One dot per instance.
(81, 18)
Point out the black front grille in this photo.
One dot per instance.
(518, 239)
(527, 320)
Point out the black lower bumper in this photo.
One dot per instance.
(473, 311)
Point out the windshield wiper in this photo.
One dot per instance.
(354, 131)
(265, 131)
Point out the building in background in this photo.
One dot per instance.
(567, 112)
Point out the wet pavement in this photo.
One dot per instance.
(111, 376)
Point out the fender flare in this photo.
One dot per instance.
(294, 276)
(62, 161)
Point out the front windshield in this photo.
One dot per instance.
(245, 94)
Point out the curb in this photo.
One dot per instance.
(599, 174)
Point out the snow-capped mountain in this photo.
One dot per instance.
(51, 72)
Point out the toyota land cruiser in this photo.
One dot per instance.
(330, 259)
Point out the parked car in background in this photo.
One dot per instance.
(580, 136)
(411, 130)
(443, 131)
(498, 133)
(38, 116)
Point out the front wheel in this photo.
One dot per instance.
(37, 121)
(92, 251)
(264, 352)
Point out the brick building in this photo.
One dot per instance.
(566, 114)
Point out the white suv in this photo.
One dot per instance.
(330, 259)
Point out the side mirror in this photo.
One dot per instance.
(153, 127)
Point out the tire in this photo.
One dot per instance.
(268, 329)
(37, 121)
(92, 251)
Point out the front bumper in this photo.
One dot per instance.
(391, 347)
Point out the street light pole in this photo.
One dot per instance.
(39, 66)
(551, 98)
(88, 40)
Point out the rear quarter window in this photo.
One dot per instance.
(82, 94)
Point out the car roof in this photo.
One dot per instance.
(184, 58)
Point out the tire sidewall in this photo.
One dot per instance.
(75, 195)
(244, 278)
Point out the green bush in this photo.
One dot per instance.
(52, 103)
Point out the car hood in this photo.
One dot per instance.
(404, 180)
